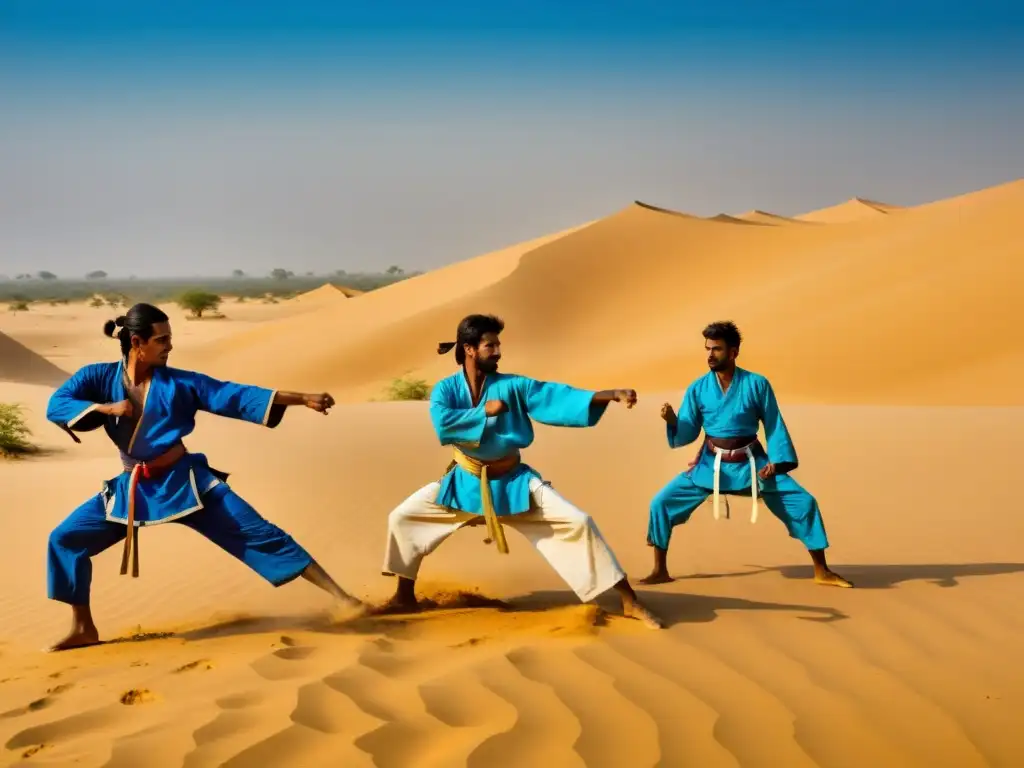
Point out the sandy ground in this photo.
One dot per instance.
(905, 421)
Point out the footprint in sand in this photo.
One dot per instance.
(33, 750)
(200, 664)
(137, 696)
(42, 703)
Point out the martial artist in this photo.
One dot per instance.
(486, 417)
(727, 402)
(147, 408)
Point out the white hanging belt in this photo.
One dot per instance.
(753, 479)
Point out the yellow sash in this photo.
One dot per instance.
(484, 470)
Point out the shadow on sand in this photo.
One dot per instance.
(680, 608)
(888, 576)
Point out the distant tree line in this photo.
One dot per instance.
(46, 286)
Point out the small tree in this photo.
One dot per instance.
(96, 302)
(394, 269)
(46, 275)
(19, 306)
(281, 274)
(237, 273)
(96, 274)
(13, 431)
(198, 301)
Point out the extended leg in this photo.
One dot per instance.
(672, 506)
(798, 510)
(233, 525)
(81, 536)
(416, 527)
(570, 541)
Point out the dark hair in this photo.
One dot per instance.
(724, 331)
(139, 321)
(471, 331)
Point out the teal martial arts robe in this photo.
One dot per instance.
(458, 422)
(189, 491)
(734, 414)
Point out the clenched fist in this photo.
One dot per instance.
(319, 403)
(668, 413)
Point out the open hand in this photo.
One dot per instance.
(122, 410)
(627, 396)
(319, 403)
(768, 470)
(668, 413)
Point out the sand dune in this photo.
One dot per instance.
(20, 365)
(727, 219)
(871, 332)
(763, 217)
(623, 300)
(327, 293)
(854, 209)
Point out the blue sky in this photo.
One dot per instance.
(197, 137)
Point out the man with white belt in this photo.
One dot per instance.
(727, 402)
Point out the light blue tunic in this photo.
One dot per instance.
(173, 398)
(735, 413)
(458, 422)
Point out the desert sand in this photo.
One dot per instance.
(889, 337)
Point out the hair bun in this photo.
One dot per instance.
(119, 321)
(109, 327)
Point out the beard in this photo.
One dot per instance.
(490, 365)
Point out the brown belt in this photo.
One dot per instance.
(148, 469)
(737, 453)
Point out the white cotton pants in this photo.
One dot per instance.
(567, 538)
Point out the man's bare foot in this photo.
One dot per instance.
(638, 611)
(657, 577)
(397, 604)
(348, 610)
(79, 637)
(830, 579)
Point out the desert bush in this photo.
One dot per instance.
(198, 301)
(408, 389)
(13, 431)
(19, 306)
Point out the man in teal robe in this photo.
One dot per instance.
(727, 403)
(487, 418)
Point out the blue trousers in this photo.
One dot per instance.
(784, 497)
(226, 520)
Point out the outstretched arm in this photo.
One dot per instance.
(257, 405)
(561, 405)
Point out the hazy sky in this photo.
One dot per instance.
(197, 137)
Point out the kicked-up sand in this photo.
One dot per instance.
(885, 334)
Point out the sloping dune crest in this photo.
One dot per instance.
(889, 309)
(854, 209)
(20, 365)
(764, 217)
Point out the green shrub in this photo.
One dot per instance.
(198, 301)
(408, 389)
(19, 306)
(13, 431)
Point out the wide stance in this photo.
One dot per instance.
(486, 417)
(727, 404)
(147, 408)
